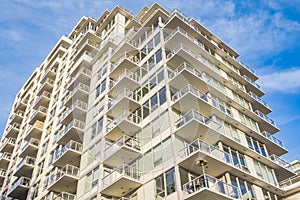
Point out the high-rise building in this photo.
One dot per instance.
(147, 106)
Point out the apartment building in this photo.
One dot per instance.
(142, 107)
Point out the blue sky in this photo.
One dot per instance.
(266, 33)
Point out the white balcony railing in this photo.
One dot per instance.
(124, 140)
(211, 183)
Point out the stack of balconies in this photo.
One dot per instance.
(66, 159)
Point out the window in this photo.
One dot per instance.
(257, 146)
(100, 88)
(237, 158)
(244, 187)
(264, 172)
(158, 56)
(165, 184)
(91, 179)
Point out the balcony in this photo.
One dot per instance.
(121, 181)
(42, 100)
(83, 60)
(195, 125)
(125, 100)
(2, 176)
(34, 131)
(46, 86)
(283, 169)
(77, 110)
(126, 45)
(175, 58)
(122, 151)
(253, 86)
(40, 115)
(64, 180)
(126, 79)
(126, 122)
(4, 160)
(25, 167)
(126, 61)
(178, 34)
(186, 74)
(81, 91)
(73, 131)
(82, 76)
(274, 144)
(13, 130)
(21, 105)
(259, 103)
(190, 97)
(206, 186)
(266, 123)
(19, 188)
(219, 162)
(8, 145)
(65, 196)
(69, 154)
(49, 73)
(30, 148)
(17, 117)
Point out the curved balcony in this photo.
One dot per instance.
(205, 186)
(4, 160)
(125, 122)
(42, 100)
(126, 99)
(34, 131)
(25, 167)
(73, 131)
(40, 115)
(190, 97)
(8, 145)
(46, 86)
(81, 91)
(197, 126)
(126, 61)
(77, 110)
(69, 154)
(17, 117)
(83, 75)
(123, 151)
(50, 72)
(64, 179)
(125, 79)
(19, 188)
(121, 181)
(13, 130)
(30, 148)
(21, 105)
(266, 123)
(126, 45)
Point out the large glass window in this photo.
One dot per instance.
(165, 184)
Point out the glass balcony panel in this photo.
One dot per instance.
(73, 131)
(64, 179)
(126, 122)
(206, 185)
(69, 154)
(121, 181)
(122, 151)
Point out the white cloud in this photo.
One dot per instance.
(283, 81)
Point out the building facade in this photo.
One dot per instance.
(147, 106)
